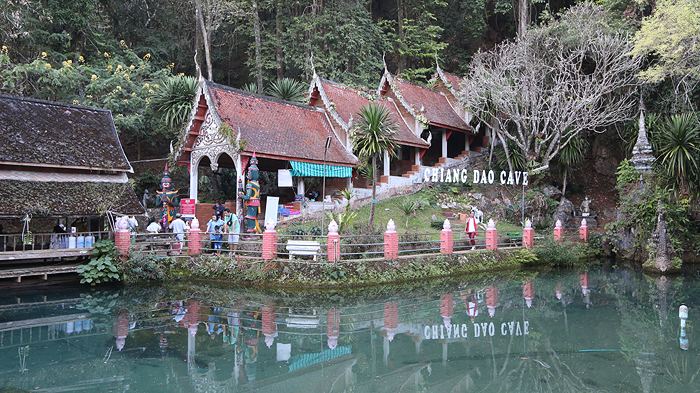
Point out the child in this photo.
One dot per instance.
(218, 238)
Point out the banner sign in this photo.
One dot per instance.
(484, 329)
(187, 207)
(442, 175)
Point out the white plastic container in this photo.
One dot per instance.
(89, 240)
(81, 241)
(71, 242)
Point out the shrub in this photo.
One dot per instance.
(144, 267)
(103, 264)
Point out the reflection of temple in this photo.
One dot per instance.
(429, 342)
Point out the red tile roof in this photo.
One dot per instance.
(453, 80)
(438, 110)
(349, 102)
(277, 128)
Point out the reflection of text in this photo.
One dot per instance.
(484, 329)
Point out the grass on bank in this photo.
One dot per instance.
(419, 222)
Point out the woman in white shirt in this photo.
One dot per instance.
(471, 229)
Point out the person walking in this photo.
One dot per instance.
(471, 228)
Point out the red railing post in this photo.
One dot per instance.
(122, 237)
(583, 230)
(333, 242)
(391, 241)
(269, 246)
(195, 238)
(491, 236)
(558, 232)
(528, 235)
(446, 238)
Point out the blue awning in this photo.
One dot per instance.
(307, 169)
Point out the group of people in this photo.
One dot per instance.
(223, 222)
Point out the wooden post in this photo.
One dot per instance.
(446, 238)
(528, 235)
(491, 236)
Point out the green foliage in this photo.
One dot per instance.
(626, 174)
(120, 81)
(679, 147)
(252, 87)
(144, 267)
(288, 89)
(409, 207)
(436, 224)
(174, 99)
(562, 254)
(516, 157)
(103, 264)
(344, 219)
(372, 137)
(670, 35)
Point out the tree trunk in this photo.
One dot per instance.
(205, 37)
(401, 33)
(374, 189)
(523, 16)
(278, 45)
(258, 63)
(138, 147)
(563, 188)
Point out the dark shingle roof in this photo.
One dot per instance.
(66, 198)
(278, 128)
(349, 102)
(55, 134)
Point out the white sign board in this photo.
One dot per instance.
(271, 210)
(284, 178)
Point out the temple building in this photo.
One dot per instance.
(228, 126)
(59, 163)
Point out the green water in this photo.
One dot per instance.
(529, 331)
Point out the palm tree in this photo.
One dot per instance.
(572, 154)
(679, 146)
(372, 137)
(288, 89)
(174, 100)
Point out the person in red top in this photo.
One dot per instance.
(471, 228)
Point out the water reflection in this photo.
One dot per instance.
(555, 331)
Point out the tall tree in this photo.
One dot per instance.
(416, 36)
(571, 75)
(373, 136)
(671, 35)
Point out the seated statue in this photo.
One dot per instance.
(586, 207)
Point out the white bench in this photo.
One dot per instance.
(303, 247)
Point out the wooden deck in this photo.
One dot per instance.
(44, 272)
(44, 254)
